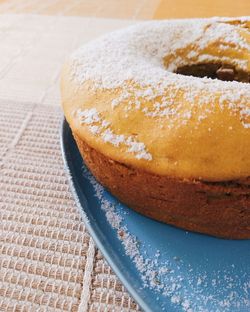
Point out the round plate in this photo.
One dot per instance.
(164, 268)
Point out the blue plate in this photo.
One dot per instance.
(164, 268)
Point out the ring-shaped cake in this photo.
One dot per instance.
(160, 112)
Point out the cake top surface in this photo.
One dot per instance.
(122, 95)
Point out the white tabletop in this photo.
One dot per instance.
(33, 49)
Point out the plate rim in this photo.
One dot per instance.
(90, 228)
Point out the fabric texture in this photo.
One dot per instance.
(48, 262)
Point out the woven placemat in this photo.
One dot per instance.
(48, 262)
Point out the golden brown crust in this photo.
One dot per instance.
(220, 209)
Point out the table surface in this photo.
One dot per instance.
(129, 9)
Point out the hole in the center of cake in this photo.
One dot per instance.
(214, 71)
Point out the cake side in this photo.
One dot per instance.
(218, 209)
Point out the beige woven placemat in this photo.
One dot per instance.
(48, 262)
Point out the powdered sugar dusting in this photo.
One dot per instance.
(98, 126)
(245, 115)
(138, 52)
(140, 60)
